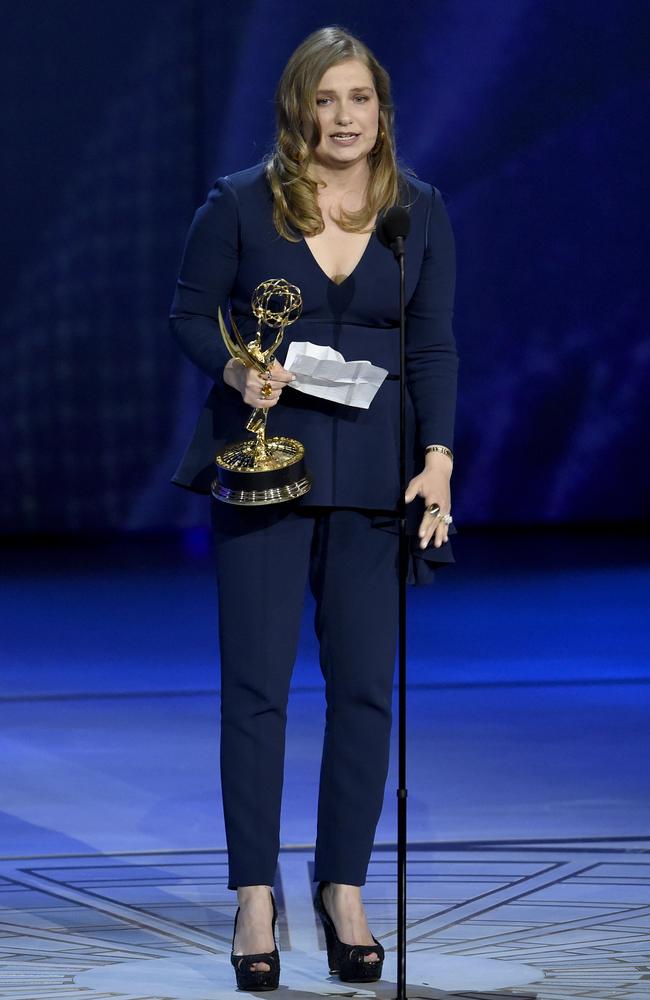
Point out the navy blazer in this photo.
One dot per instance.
(352, 454)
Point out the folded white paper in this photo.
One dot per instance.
(322, 371)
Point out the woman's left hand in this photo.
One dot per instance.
(433, 484)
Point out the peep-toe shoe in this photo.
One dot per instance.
(256, 979)
(348, 960)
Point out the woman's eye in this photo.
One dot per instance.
(358, 97)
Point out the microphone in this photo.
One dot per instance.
(393, 229)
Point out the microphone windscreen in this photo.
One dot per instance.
(396, 222)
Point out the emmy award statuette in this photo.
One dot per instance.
(262, 470)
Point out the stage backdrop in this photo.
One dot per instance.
(116, 119)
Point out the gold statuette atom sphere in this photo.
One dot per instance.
(276, 303)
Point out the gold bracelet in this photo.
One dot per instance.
(440, 447)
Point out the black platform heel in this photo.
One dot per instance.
(348, 960)
(256, 979)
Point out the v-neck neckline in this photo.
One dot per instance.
(339, 284)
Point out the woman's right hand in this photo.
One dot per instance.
(249, 382)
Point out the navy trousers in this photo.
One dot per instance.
(265, 557)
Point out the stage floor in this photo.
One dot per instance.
(529, 796)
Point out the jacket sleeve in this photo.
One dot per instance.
(207, 273)
(431, 356)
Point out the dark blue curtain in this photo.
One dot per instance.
(530, 117)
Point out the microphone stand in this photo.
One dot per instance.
(392, 233)
(398, 249)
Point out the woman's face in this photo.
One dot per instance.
(347, 105)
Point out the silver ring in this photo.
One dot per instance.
(446, 518)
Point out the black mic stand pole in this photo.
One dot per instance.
(398, 250)
(392, 232)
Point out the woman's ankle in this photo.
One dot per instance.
(253, 893)
(342, 890)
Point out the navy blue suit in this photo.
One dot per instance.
(352, 454)
(340, 536)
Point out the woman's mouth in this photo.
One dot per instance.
(345, 138)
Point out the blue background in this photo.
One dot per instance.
(530, 117)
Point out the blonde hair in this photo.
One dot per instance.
(295, 203)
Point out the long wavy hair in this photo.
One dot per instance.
(295, 204)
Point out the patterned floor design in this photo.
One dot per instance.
(548, 920)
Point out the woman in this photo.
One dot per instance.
(308, 213)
